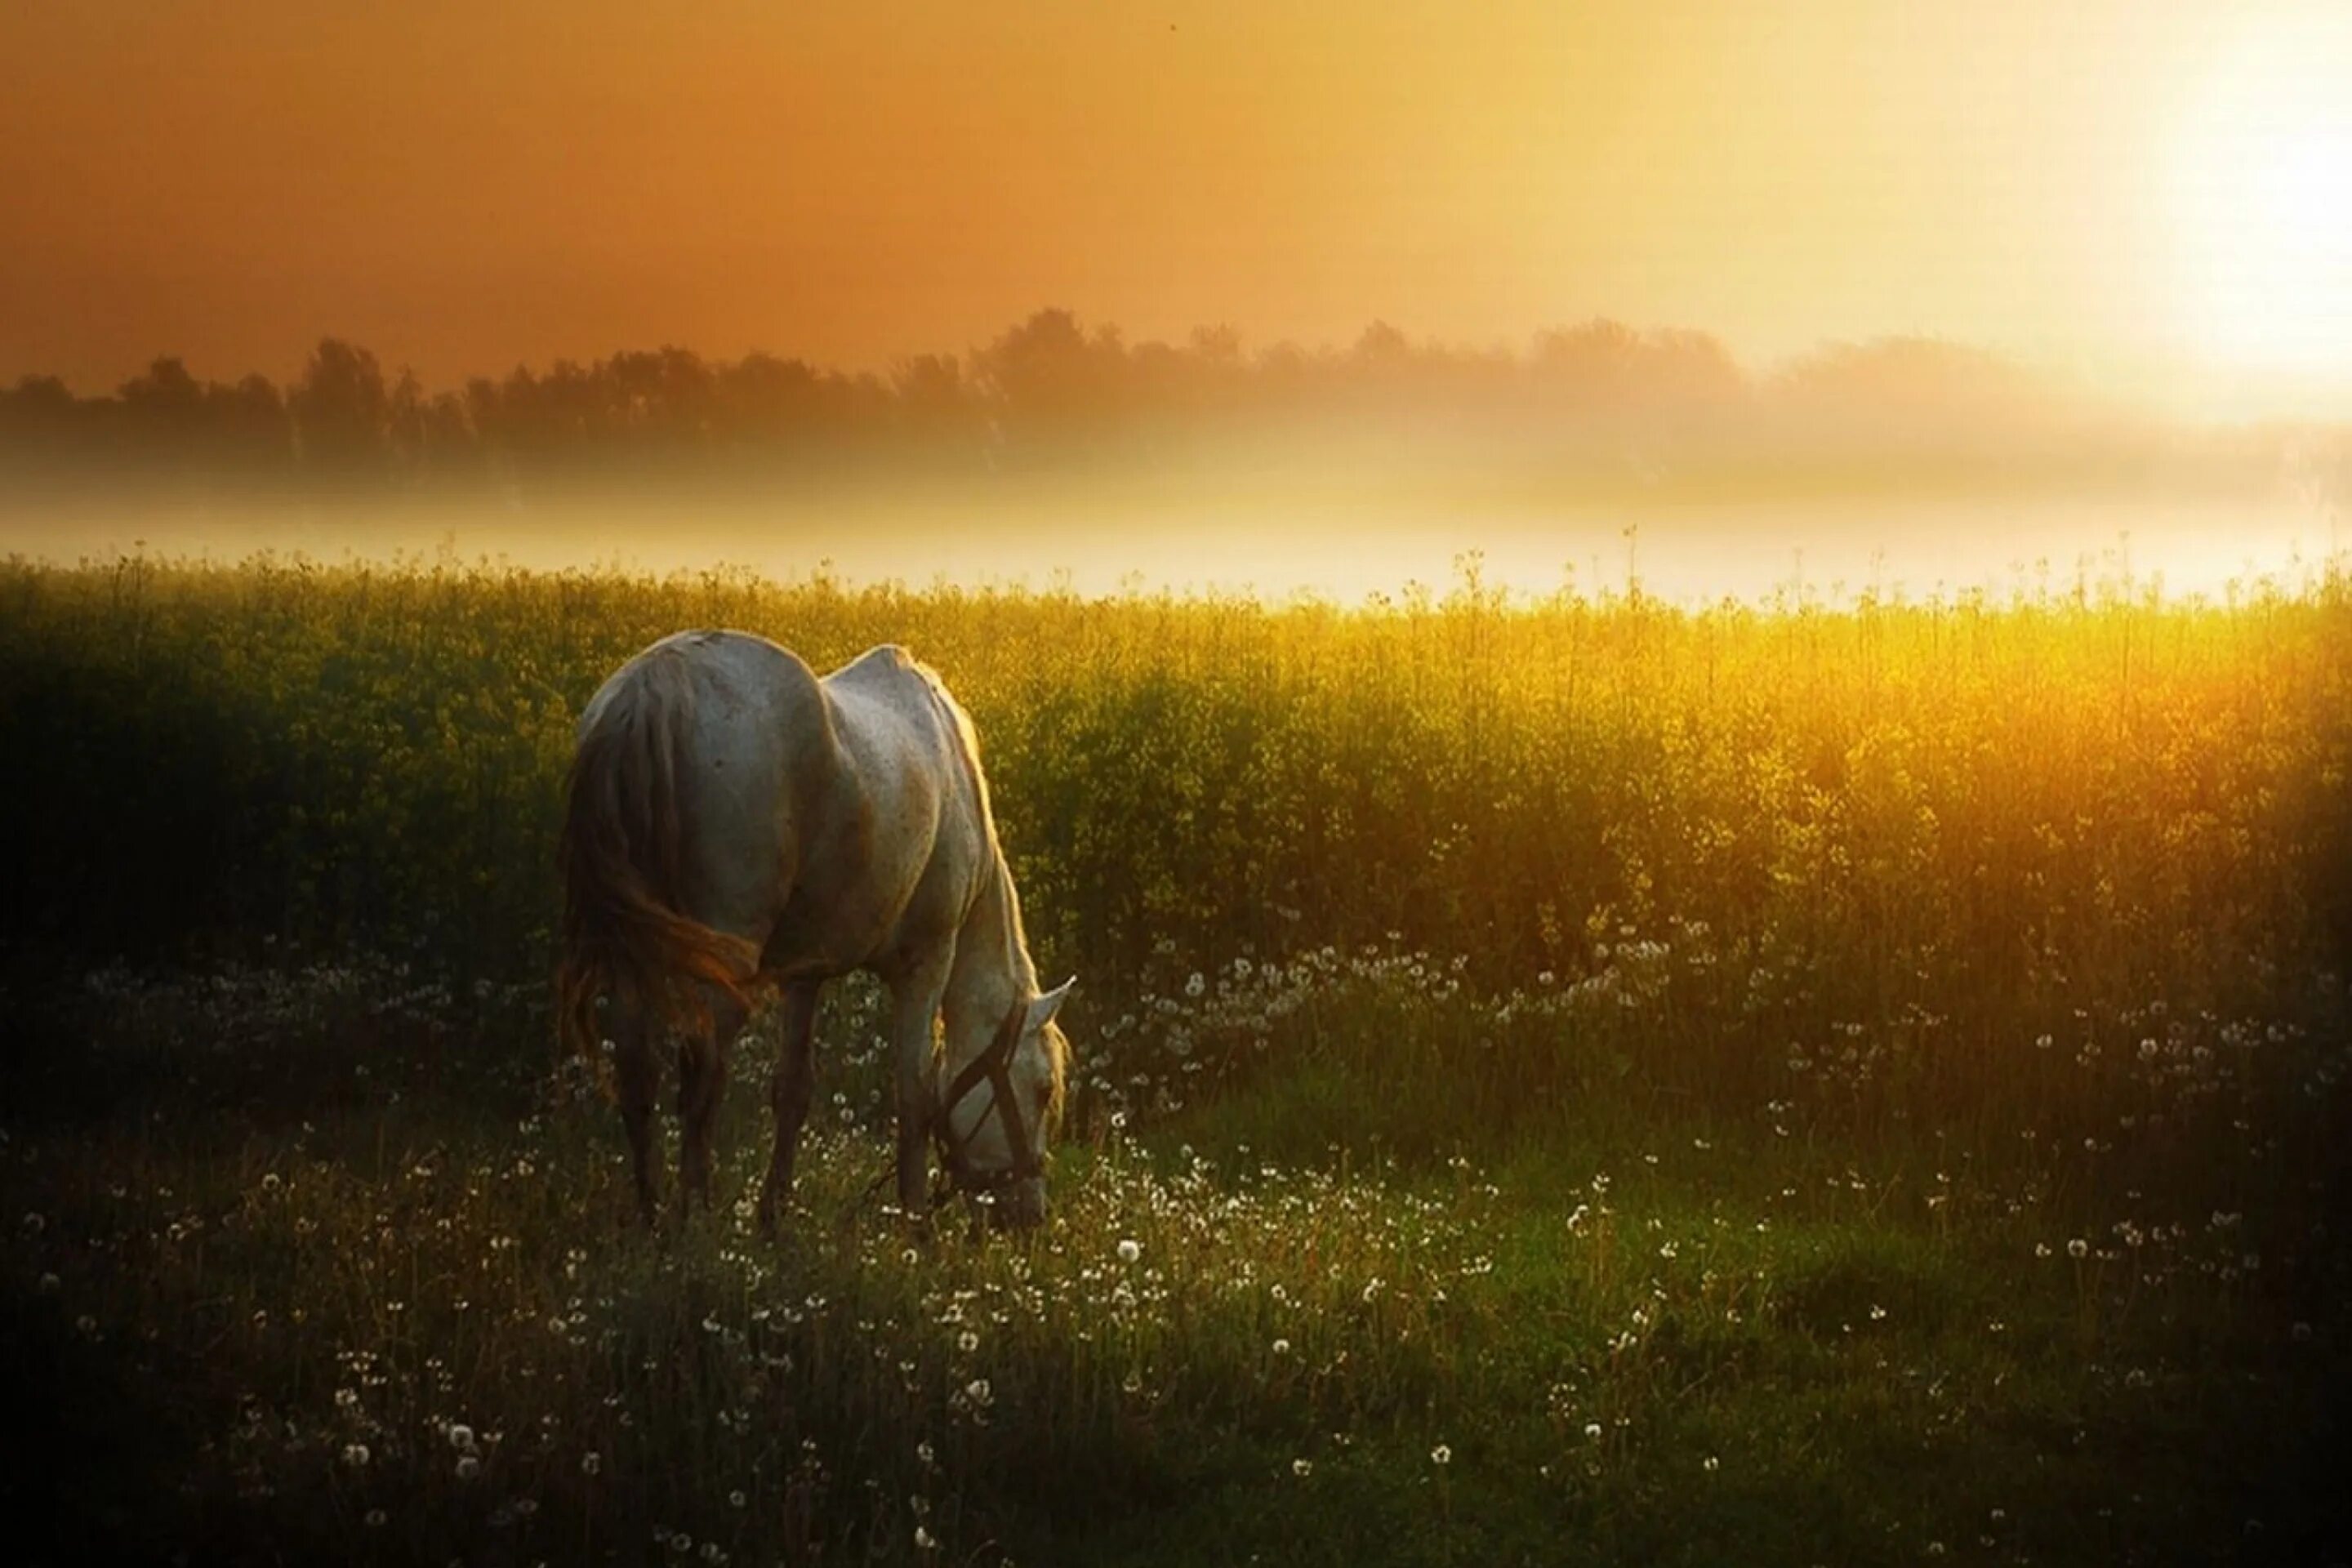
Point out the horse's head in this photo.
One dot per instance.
(998, 1114)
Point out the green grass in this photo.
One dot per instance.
(1780, 1087)
(314, 1225)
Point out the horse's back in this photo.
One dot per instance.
(835, 821)
(905, 760)
(898, 729)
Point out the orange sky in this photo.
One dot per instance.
(462, 185)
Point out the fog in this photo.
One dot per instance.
(1105, 540)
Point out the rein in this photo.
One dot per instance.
(993, 1066)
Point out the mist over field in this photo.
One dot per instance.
(1059, 453)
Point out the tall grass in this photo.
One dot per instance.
(1555, 1081)
(1955, 819)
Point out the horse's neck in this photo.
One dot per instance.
(993, 971)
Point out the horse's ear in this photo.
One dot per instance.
(1042, 1010)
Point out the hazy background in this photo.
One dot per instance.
(1334, 296)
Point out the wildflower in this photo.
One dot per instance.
(461, 1437)
(978, 1391)
(924, 1540)
(1129, 1250)
(374, 1519)
(468, 1467)
(1593, 1431)
(1282, 1347)
(355, 1455)
(1442, 1454)
(2078, 1248)
(1711, 1463)
(591, 1462)
(1302, 1468)
(967, 1341)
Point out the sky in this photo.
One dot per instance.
(2154, 195)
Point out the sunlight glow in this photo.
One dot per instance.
(2265, 194)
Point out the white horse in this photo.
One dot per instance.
(730, 818)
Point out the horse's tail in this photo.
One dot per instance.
(624, 934)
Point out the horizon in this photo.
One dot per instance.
(1522, 349)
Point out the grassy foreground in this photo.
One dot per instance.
(1569, 1083)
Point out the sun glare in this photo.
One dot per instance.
(2265, 207)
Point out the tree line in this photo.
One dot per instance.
(1602, 400)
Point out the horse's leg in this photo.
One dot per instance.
(789, 1094)
(702, 1084)
(917, 994)
(636, 1075)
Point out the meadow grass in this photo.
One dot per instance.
(1571, 1082)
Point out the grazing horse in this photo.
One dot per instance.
(730, 820)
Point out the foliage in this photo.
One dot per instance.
(1581, 1081)
(1597, 410)
(1956, 819)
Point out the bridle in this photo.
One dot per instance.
(993, 1066)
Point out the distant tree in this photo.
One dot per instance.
(1046, 373)
(343, 413)
(1604, 365)
(43, 426)
(251, 425)
(666, 400)
(934, 402)
(1895, 375)
(166, 396)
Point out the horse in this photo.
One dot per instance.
(731, 821)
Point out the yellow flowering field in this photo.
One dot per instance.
(1579, 1079)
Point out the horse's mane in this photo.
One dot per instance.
(1057, 1044)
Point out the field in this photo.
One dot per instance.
(1566, 1082)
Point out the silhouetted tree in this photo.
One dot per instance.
(343, 413)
